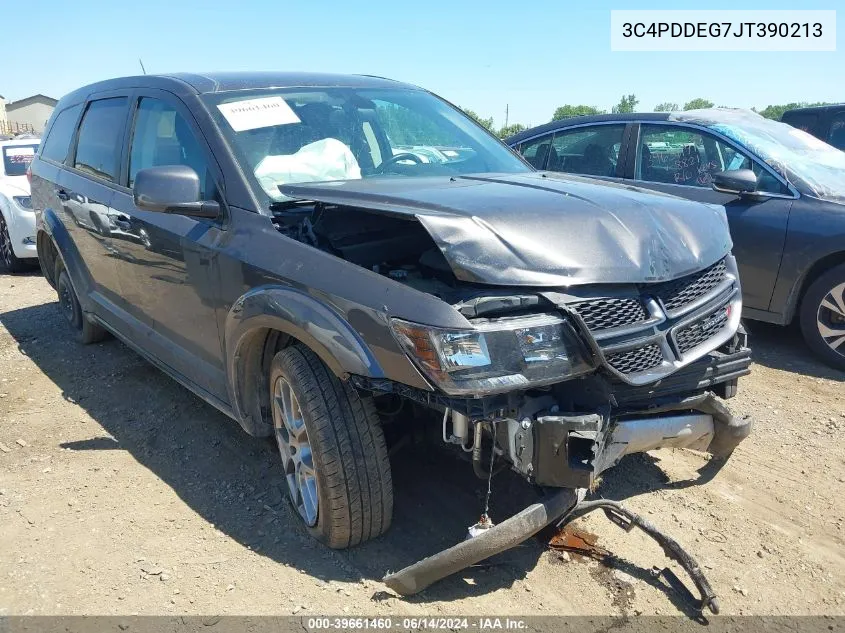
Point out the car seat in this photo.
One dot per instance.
(597, 161)
(646, 163)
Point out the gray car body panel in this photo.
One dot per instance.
(545, 230)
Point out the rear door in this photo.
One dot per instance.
(86, 189)
(167, 262)
(681, 160)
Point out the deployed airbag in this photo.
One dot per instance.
(326, 159)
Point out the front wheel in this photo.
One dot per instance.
(10, 260)
(333, 451)
(823, 317)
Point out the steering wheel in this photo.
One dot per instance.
(396, 158)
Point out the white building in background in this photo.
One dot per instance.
(2, 111)
(31, 112)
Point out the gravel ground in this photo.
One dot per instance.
(122, 493)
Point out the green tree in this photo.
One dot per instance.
(776, 111)
(488, 123)
(569, 111)
(627, 104)
(697, 104)
(666, 106)
(510, 130)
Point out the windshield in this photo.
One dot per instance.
(317, 134)
(813, 166)
(16, 158)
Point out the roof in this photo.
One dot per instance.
(819, 108)
(222, 81)
(20, 103)
(704, 116)
(199, 83)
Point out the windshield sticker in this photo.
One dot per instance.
(251, 114)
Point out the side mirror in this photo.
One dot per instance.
(172, 189)
(737, 181)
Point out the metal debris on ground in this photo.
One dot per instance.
(579, 542)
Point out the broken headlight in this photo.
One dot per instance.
(496, 356)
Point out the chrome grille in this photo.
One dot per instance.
(695, 334)
(603, 314)
(679, 292)
(636, 360)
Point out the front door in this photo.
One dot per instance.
(681, 160)
(167, 262)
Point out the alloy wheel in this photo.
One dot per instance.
(5, 244)
(830, 319)
(66, 302)
(295, 449)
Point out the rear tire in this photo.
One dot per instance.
(822, 317)
(85, 332)
(333, 451)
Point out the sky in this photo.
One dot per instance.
(529, 57)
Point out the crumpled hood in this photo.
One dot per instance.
(545, 229)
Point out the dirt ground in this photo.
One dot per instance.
(122, 493)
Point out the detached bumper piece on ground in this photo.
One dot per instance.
(518, 528)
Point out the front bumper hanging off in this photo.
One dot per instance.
(567, 452)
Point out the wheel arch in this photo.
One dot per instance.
(819, 268)
(267, 319)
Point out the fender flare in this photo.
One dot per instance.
(300, 316)
(68, 253)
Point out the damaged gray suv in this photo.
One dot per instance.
(307, 251)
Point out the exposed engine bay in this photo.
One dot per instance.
(397, 247)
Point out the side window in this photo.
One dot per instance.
(592, 151)
(161, 136)
(101, 137)
(536, 151)
(57, 143)
(684, 156)
(836, 137)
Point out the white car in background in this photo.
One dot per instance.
(17, 219)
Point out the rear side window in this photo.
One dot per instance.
(57, 143)
(101, 137)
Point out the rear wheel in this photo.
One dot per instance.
(823, 317)
(333, 451)
(85, 332)
(10, 260)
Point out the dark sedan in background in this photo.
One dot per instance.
(783, 189)
(825, 122)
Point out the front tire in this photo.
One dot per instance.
(12, 262)
(823, 317)
(84, 331)
(333, 451)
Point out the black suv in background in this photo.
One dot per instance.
(783, 190)
(307, 251)
(824, 122)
